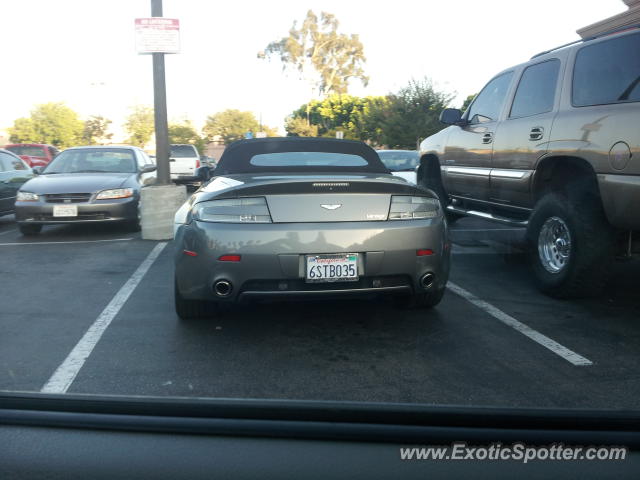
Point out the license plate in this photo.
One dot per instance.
(339, 267)
(65, 210)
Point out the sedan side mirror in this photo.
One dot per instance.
(148, 168)
(451, 116)
(37, 170)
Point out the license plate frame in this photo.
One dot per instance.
(344, 260)
(65, 211)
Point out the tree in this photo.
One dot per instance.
(299, 127)
(346, 113)
(53, 123)
(412, 114)
(95, 130)
(186, 133)
(467, 102)
(140, 125)
(231, 125)
(326, 58)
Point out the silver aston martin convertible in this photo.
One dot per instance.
(307, 218)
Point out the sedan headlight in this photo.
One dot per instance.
(26, 197)
(233, 210)
(411, 208)
(115, 193)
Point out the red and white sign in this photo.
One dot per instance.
(157, 35)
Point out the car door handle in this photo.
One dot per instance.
(536, 133)
(487, 138)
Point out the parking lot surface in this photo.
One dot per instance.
(94, 305)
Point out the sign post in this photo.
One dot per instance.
(156, 36)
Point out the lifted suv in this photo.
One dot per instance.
(553, 145)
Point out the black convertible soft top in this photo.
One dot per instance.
(237, 156)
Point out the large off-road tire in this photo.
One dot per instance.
(192, 309)
(432, 180)
(29, 230)
(571, 245)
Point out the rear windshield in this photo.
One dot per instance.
(400, 161)
(299, 154)
(307, 159)
(27, 150)
(104, 160)
(183, 151)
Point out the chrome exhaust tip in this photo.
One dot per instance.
(222, 288)
(427, 280)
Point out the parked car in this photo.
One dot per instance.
(402, 163)
(185, 165)
(85, 184)
(553, 145)
(14, 172)
(306, 217)
(35, 154)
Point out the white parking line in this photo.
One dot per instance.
(9, 231)
(555, 347)
(70, 241)
(62, 378)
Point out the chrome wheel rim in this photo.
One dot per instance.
(554, 245)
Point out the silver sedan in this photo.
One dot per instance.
(307, 218)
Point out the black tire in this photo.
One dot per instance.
(586, 268)
(432, 180)
(192, 309)
(30, 230)
(422, 300)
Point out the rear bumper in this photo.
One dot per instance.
(118, 210)
(186, 179)
(273, 258)
(620, 197)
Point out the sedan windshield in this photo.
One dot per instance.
(107, 160)
(399, 160)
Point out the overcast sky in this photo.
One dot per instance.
(82, 51)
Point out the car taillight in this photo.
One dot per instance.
(233, 210)
(197, 163)
(404, 207)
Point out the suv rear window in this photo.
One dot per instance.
(183, 151)
(608, 72)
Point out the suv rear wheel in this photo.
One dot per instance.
(571, 246)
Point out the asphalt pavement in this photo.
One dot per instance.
(93, 305)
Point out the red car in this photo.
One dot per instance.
(35, 154)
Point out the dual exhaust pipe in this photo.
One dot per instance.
(223, 288)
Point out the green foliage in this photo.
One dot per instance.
(412, 114)
(467, 102)
(53, 123)
(398, 120)
(140, 125)
(231, 125)
(96, 130)
(316, 50)
(346, 113)
(299, 127)
(186, 133)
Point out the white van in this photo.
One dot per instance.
(184, 162)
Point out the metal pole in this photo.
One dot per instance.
(160, 109)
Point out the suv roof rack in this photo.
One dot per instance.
(593, 37)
